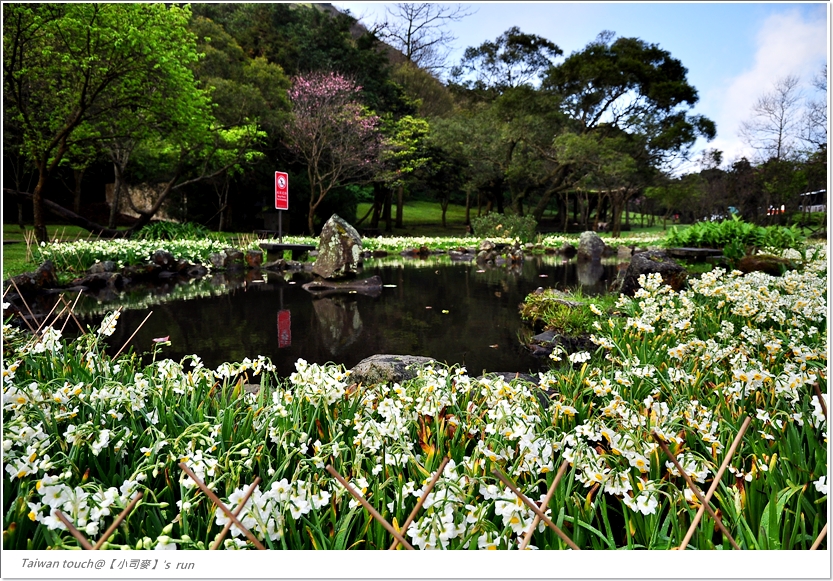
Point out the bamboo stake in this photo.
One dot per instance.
(20, 294)
(215, 545)
(46, 318)
(561, 470)
(133, 335)
(74, 531)
(72, 313)
(421, 501)
(222, 506)
(118, 520)
(535, 509)
(715, 482)
(373, 512)
(820, 538)
(696, 492)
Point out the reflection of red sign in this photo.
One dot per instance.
(284, 329)
(281, 190)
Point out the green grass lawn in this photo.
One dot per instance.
(423, 218)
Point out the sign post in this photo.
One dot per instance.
(281, 199)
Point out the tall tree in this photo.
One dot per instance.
(814, 131)
(418, 31)
(513, 59)
(624, 87)
(774, 127)
(70, 65)
(335, 136)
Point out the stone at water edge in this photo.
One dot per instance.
(649, 262)
(590, 246)
(339, 250)
(387, 368)
(254, 258)
(32, 282)
(766, 263)
(624, 252)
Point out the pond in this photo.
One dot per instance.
(456, 312)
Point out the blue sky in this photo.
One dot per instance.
(734, 52)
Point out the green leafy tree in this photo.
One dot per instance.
(632, 93)
(405, 153)
(67, 66)
(513, 59)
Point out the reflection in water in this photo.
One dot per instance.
(338, 322)
(589, 273)
(452, 311)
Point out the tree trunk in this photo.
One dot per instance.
(70, 216)
(467, 221)
(310, 225)
(114, 206)
(400, 202)
(76, 194)
(386, 212)
(37, 209)
(444, 205)
(20, 216)
(378, 203)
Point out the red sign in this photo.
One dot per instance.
(281, 190)
(284, 329)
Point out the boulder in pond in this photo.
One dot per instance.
(254, 258)
(339, 250)
(649, 262)
(590, 246)
(388, 368)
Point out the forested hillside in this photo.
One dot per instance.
(202, 104)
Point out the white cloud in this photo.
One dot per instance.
(787, 44)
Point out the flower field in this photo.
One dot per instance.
(83, 433)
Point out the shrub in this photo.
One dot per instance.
(734, 236)
(505, 226)
(172, 231)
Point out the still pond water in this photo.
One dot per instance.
(459, 313)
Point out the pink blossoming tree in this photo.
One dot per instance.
(333, 134)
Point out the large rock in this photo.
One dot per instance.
(652, 261)
(387, 368)
(590, 246)
(33, 282)
(339, 250)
